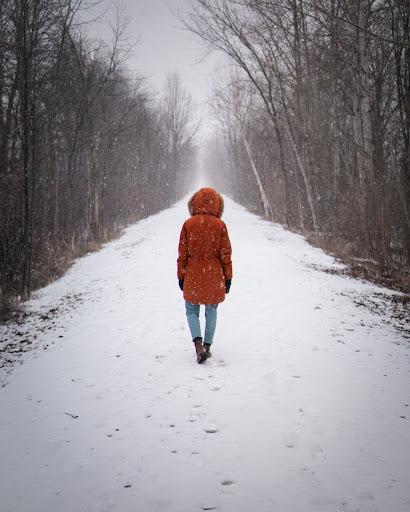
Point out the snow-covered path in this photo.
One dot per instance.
(304, 406)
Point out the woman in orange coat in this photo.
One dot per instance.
(204, 265)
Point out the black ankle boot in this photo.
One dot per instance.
(200, 352)
(207, 347)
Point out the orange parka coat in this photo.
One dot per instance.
(204, 252)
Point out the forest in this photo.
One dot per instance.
(313, 130)
(314, 115)
(85, 148)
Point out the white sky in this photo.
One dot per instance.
(164, 45)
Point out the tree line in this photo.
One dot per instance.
(315, 117)
(85, 148)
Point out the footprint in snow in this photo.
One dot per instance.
(211, 429)
(215, 388)
(228, 486)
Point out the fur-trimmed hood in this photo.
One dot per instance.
(206, 201)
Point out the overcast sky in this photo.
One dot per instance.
(163, 45)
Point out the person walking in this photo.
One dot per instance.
(204, 265)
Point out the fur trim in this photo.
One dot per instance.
(191, 205)
(222, 207)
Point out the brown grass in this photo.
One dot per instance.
(397, 278)
(53, 266)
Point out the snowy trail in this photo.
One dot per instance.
(304, 406)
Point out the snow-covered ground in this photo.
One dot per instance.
(304, 406)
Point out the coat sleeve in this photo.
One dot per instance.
(225, 254)
(182, 253)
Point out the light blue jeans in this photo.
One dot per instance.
(192, 314)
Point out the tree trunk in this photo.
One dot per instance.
(265, 203)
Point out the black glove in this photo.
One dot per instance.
(228, 285)
(181, 284)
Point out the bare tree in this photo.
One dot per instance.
(234, 104)
(84, 148)
(180, 129)
(332, 78)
